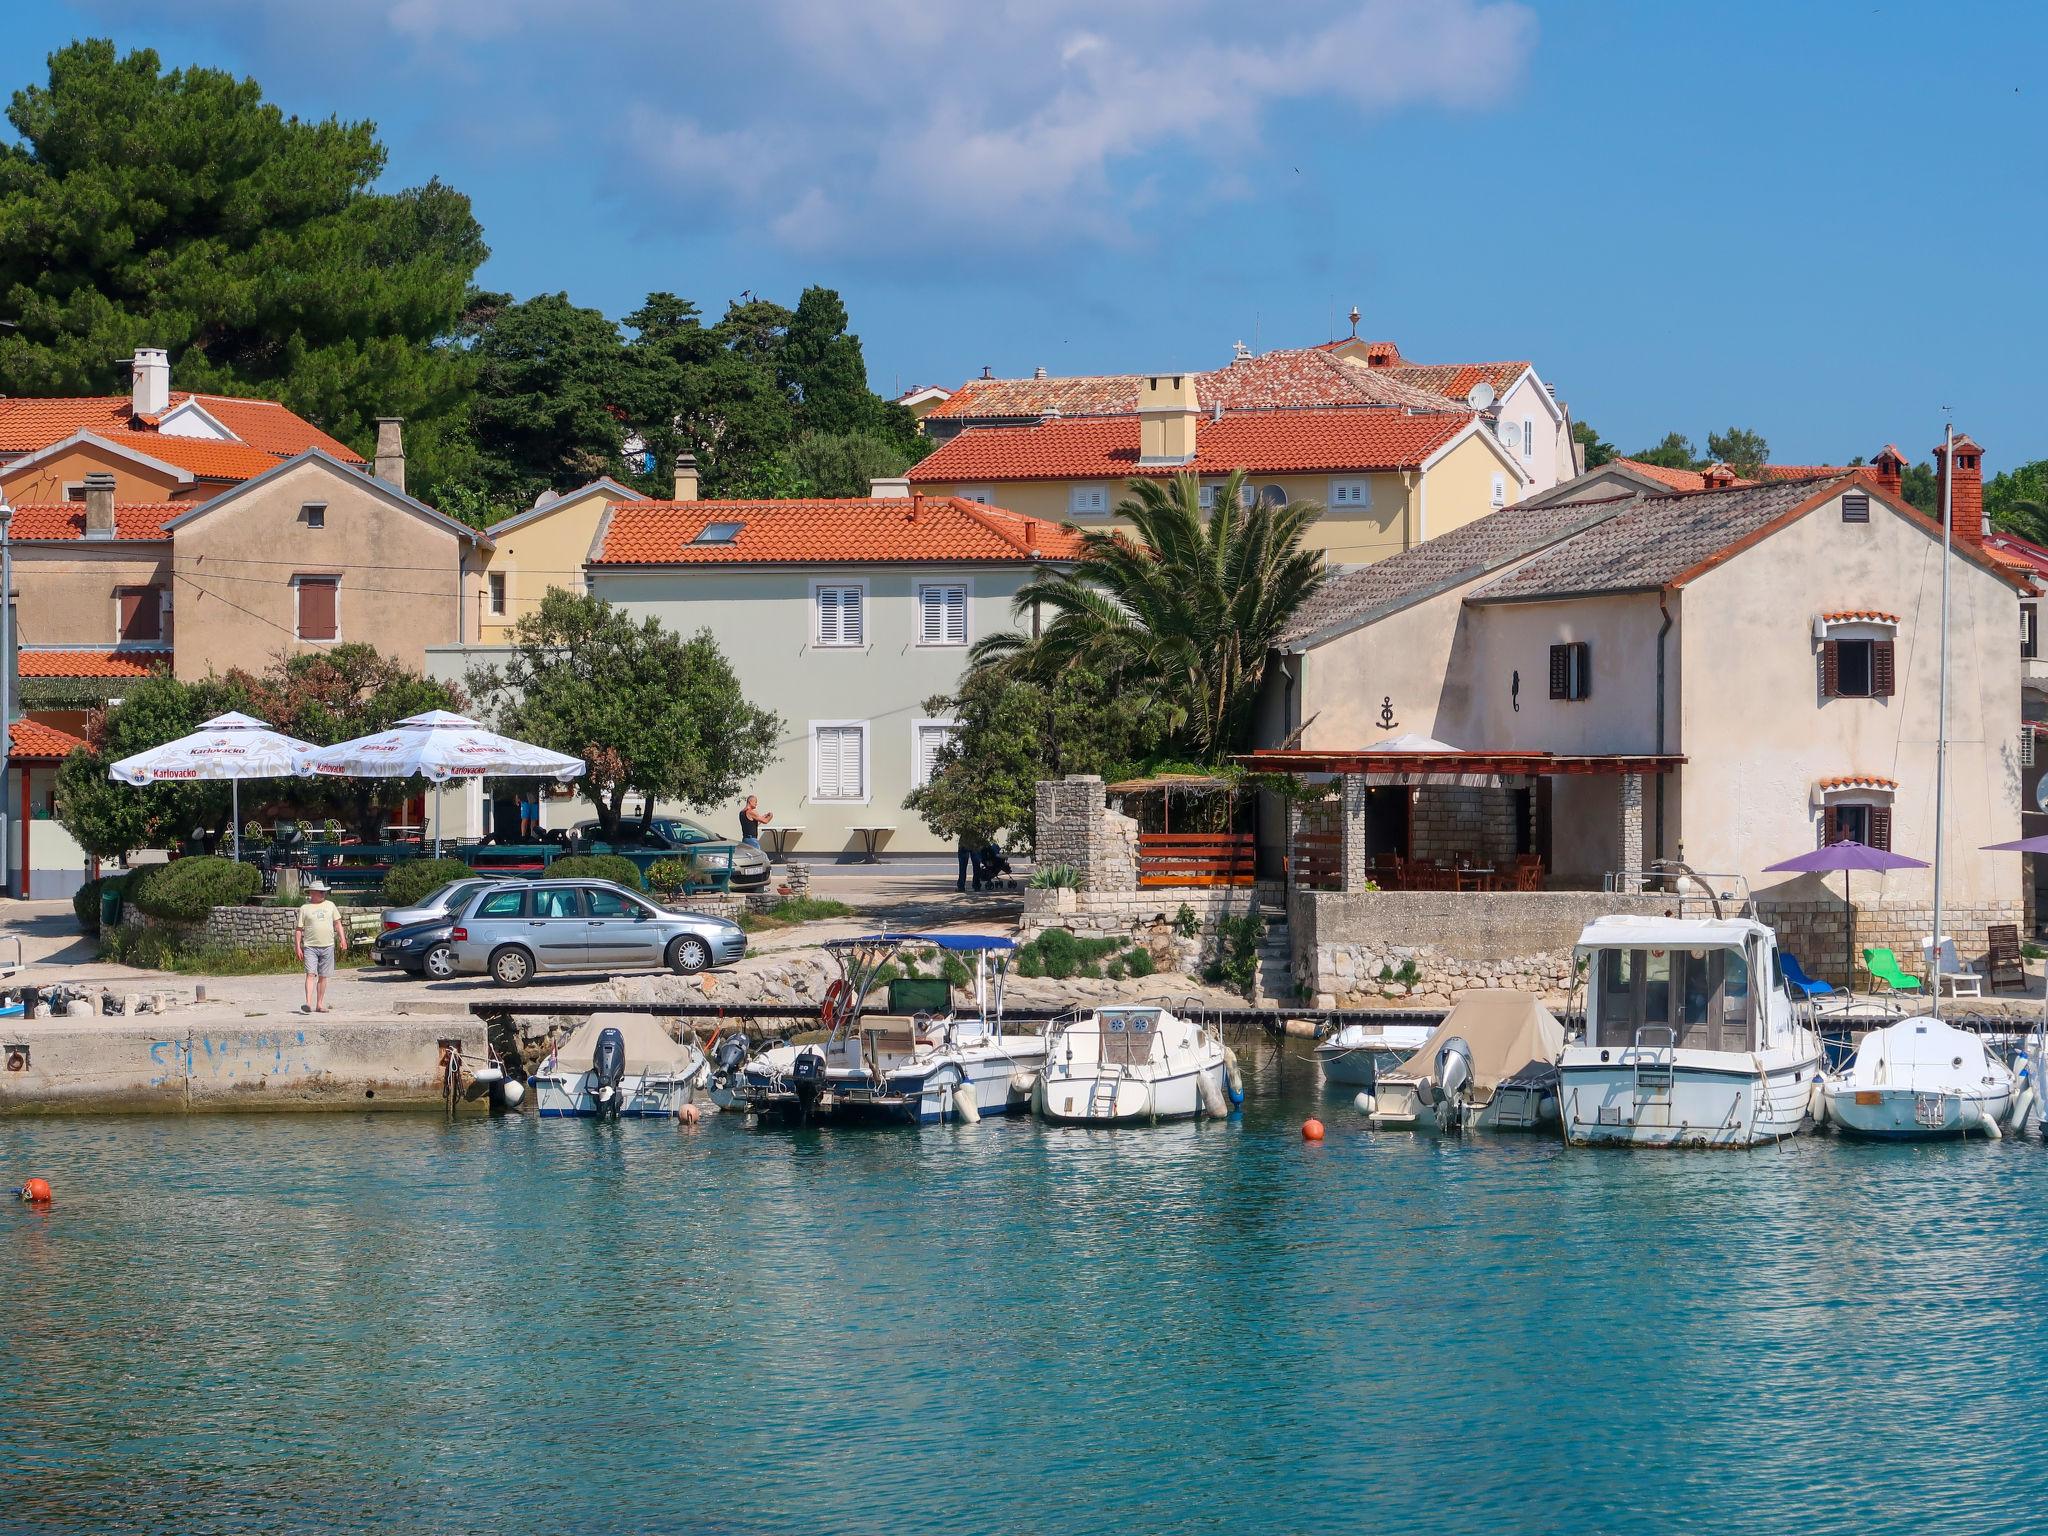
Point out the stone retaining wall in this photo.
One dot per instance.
(252, 927)
(1148, 917)
(1819, 931)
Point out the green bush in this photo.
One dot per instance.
(954, 969)
(1056, 877)
(1115, 969)
(1138, 961)
(1185, 923)
(85, 901)
(184, 890)
(1059, 954)
(413, 881)
(1237, 952)
(668, 876)
(614, 867)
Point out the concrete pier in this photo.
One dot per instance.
(199, 1061)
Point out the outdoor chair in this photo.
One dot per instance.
(1946, 967)
(1797, 979)
(1528, 872)
(2004, 964)
(1884, 966)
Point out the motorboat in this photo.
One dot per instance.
(1135, 1065)
(1490, 1066)
(619, 1066)
(1691, 1037)
(1922, 1080)
(1356, 1054)
(894, 1067)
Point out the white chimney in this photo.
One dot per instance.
(150, 391)
(686, 477)
(389, 464)
(889, 488)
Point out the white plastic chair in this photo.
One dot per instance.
(1960, 979)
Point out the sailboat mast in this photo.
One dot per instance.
(1948, 530)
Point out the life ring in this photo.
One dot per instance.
(17, 1061)
(835, 997)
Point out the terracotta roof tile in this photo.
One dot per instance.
(1260, 442)
(1286, 379)
(206, 458)
(2017, 551)
(1859, 781)
(1677, 479)
(84, 663)
(1800, 471)
(142, 520)
(1859, 616)
(829, 531)
(32, 741)
(1454, 379)
(263, 425)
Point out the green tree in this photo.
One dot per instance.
(550, 376)
(1673, 452)
(844, 463)
(1598, 450)
(1740, 449)
(1920, 486)
(111, 820)
(1185, 607)
(179, 209)
(2017, 500)
(652, 713)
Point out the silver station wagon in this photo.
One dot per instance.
(524, 928)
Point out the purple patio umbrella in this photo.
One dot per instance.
(1847, 857)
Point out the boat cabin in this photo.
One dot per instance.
(1693, 984)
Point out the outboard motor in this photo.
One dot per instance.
(1454, 1082)
(807, 1082)
(729, 1055)
(608, 1073)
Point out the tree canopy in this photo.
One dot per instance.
(2017, 500)
(1674, 451)
(1740, 449)
(1598, 450)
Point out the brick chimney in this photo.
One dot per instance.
(1167, 413)
(1718, 476)
(99, 505)
(389, 465)
(149, 390)
(1889, 470)
(1969, 487)
(686, 477)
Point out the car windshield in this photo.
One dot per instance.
(447, 895)
(677, 830)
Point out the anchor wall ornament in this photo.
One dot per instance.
(1387, 720)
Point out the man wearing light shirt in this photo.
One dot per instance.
(320, 932)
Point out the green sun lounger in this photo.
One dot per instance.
(1884, 966)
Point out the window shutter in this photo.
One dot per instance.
(316, 610)
(1881, 685)
(839, 616)
(852, 623)
(1880, 819)
(1582, 670)
(1830, 826)
(839, 757)
(141, 613)
(1831, 669)
(2026, 746)
(1560, 671)
(942, 615)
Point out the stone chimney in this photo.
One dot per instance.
(389, 465)
(686, 477)
(1167, 414)
(889, 488)
(99, 505)
(1888, 469)
(1969, 487)
(150, 386)
(1718, 476)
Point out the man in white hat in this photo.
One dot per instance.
(319, 932)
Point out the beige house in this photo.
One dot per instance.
(1725, 677)
(545, 546)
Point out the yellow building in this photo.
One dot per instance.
(546, 546)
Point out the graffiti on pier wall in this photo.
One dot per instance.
(230, 1057)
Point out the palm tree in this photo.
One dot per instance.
(2026, 517)
(1185, 604)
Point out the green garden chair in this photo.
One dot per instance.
(1884, 966)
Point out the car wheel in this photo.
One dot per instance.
(439, 964)
(688, 955)
(511, 967)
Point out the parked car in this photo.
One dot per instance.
(675, 835)
(516, 930)
(437, 904)
(420, 949)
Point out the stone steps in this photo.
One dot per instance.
(1274, 980)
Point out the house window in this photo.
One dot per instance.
(1857, 669)
(842, 614)
(1500, 490)
(1350, 493)
(1856, 507)
(2026, 746)
(1571, 671)
(139, 614)
(497, 590)
(931, 737)
(1088, 500)
(2030, 631)
(839, 760)
(980, 493)
(1245, 495)
(1528, 437)
(74, 490)
(315, 514)
(942, 613)
(1857, 822)
(319, 607)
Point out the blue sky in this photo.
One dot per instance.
(1688, 216)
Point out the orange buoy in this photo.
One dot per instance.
(1311, 1129)
(36, 1191)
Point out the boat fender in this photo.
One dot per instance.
(1234, 1075)
(1817, 1102)
(2022, 1102)
(1022, 1081)
(1546, 1109)
(512, 1092)
(1038, 1096)
(966, 1104)
(1988, 1125)
(1213, 1103)
(1364, 1104)
(35, 1191)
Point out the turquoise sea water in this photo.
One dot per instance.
(409, 1326)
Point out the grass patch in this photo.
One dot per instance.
(788, 914)
(152, 949)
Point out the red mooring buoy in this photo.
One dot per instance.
(1311, 1130)
(36, 1191)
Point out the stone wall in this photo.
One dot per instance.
(1076, 828)
(253, 927)
(1449, 822)
(1147, 917)
(1818, 931)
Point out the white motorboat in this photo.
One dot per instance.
(615, 1066)
(1356, 1055)
(919, 1068)
(1921, 1080)
(1135, 1065)
(1691, 1038)
(1490, 1066)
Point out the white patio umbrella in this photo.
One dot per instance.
(231, 746)
(438, 746)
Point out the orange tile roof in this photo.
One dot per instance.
(1677, 479)
(2017, 551)
(204, 457)
(1859, 615)
(1454, 379)
(264, 425)
(32, 741)
(1285, 379)
(1801, 471)
(1859, 781)
(84, 663)
(829, 531)
(141, 520)
(1259, 442)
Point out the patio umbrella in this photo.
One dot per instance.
(1846, 856)
(438, 746)
(230, 746)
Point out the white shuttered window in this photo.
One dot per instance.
(932, 736)
(842, 615)
(840, 755)
(942, 613)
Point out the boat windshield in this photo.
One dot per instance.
(1702, 996)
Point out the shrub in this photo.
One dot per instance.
(413, 881)
(954, 969)
(598, 866)
(1115, 969)
(1056, 877)
(85, 901)
(1237, 952)
(668, 875)
(1185, 923)
(1138, 961)
(183, 890)
(1059, 954)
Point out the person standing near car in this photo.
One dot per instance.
(319, 933)
(752, 819)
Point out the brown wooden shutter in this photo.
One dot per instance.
(1881, 673)
(316, 609)
(141, 613)
(1560, 671)
(1830, 826)
(1831, 669)
(1583, 681)
(1881, 827)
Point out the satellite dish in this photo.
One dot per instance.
(1481, 396)
(2041, 793)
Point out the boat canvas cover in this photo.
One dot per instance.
(649, 1046)
(1507, 1032)
(1669, 933)
(1919, 1053)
